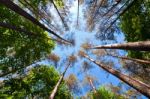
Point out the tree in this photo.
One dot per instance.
(139, 46)
(138, 85)
(37, 83)
(103, 93)
(132, 59)
(23, 13)
(73, 84)
(62, 19)
(71, 59)
(22, 43)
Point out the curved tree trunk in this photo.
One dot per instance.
(138, 85)
(132, 59)
(137, 46)
(58, 83)
(9, 4)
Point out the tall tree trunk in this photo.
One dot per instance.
(15, 70)
(138, 85)
(59, 82)
(132, 59)
(92, 85)
(9, 4)
(137, 46)
(64, 23)
(15, 28)
(78, 14)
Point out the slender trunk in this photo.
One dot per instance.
(133, 59)
(52, 95)
(21, 30)
(15, 70)
(92, 85)
(64, 23)
(12, 27)
(78, 15)
(138, 85)
(9, 4)
(137, 46)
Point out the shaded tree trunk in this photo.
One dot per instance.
(137, 46)
(78, 15)
(52, 95)
(15, 70)
(9, 4)
(132, 59)
(15, 28)
(138, 85)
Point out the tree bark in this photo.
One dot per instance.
(137, 46)
(138, 85)
(52, 95)
(132, 59)
(9, 4)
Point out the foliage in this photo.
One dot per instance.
(17, 48)
(39, 82)
(135, 23)
(103, 93)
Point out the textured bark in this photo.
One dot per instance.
(136, 84)
(52, 95)
(132, 59)
(9, 4)
(137, 46)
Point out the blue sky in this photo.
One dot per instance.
(81, 34)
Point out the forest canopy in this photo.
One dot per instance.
(68, 49)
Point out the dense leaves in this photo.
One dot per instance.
(103, 93)
(37, 83)
(17, 48)
(135, 24)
